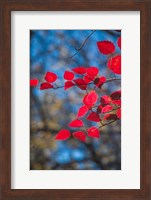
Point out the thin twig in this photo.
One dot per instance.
(78, 49)
(108, 123)
(112, 79)
(102, 125)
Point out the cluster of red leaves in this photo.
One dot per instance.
(108, 106)
(64, 134)
(50, 77)
(106, 48)
(89, 75)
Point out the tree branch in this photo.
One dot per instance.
(108, 80)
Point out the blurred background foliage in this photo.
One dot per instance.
(52, 110)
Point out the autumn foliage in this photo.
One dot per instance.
(96, 107)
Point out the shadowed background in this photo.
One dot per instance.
(52, 110)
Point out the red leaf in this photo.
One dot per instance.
(100, 81)
(93, 132)
(63, 135)
(110, 117)
(68, 84)
(33, 82)
(116, 95)
(79, 70)
(82, 111)
(81, 83)
(93, 117)
(119, 113)
(117, 102)
(92, 71)
(114, 64)
(80, 136)
(119, 42)
(99, 109)
(76, 123)
(50, 77)
(105, 100)
(88, 79)
(97, 81)
(107, 108)
(90, 99)
(106, 47)
(45, 86)
(68, 75)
